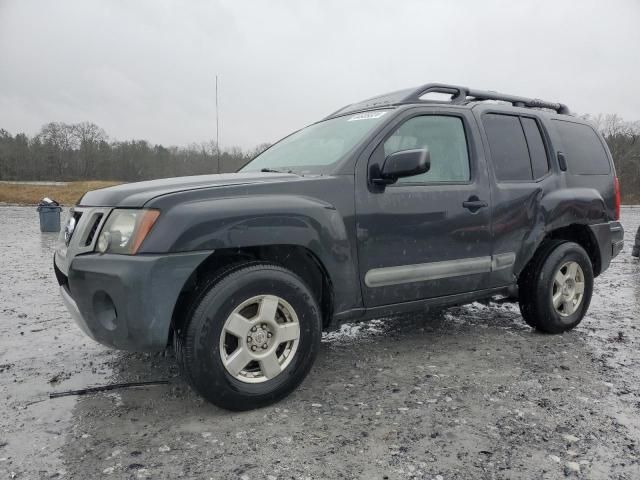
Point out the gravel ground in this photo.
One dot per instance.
(472, 393)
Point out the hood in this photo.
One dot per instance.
(138, 193)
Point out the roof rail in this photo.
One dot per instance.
(459, 96)
(462, 95)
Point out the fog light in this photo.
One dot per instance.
(104, 240)
(105, 311)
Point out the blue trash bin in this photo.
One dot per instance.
(49, 217)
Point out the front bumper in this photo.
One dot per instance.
(610, 239)
(123, 301)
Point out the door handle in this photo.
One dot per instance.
(474, 204)
(562, 162)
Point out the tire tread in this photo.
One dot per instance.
(532, 296)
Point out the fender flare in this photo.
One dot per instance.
(264, 220)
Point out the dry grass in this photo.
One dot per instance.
(68, 194)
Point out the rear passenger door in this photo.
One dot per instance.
(517, 147)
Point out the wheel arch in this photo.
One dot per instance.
(583, 236)
(575, 232)
(569, 215)
(298, 259)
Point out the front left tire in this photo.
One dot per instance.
(251, 336)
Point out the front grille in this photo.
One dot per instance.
(88, 222)
(94, 229)
(71, 226)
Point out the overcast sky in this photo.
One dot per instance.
(146, 69)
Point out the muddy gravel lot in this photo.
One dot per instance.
(472, 393)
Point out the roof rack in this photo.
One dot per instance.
(459, 96)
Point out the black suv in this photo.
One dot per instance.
(394, 204)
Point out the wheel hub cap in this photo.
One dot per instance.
(258, 338)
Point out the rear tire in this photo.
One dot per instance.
(251, 336)
(555, 288)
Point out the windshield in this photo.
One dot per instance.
(316, 148)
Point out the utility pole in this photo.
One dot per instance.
(217, 129)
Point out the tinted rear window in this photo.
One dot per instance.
(508, 147)
(583, 149)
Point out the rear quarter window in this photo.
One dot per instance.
(582, 149)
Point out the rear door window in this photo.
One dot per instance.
(508, 147)
(582, 149)
(537, 151)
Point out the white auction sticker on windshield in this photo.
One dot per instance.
(366, 116)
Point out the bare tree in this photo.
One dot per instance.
(623, 140)
(87, 137)
(60, 142)
(210, 148)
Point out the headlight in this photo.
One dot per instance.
(125, 230)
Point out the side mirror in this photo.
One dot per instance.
(405, 163)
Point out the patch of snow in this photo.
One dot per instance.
(355, 331)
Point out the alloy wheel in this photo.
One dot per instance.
(259, 339)
(568, 288)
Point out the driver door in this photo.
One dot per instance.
(427, 235)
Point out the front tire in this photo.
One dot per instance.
(556, 287)
(251, 336)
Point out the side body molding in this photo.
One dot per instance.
(380, 277)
